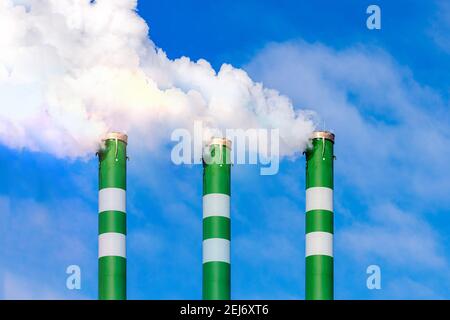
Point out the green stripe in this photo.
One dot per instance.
(112, 221)
(319, 220)
(112, 278)
(112, 169)
(216, 227)
(319, 172)
(319, 278)
(216, 175)
(216, 281)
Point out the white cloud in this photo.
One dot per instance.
(440, 25)
(396, 237)
(41, 240)
(407, 288)
(392, 148)
(392, 133)
(21, 288)
(270, 245)
(71, 71)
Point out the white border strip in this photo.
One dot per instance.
(111, 244)
(319, 243)
(319, 198)
(216, 249)
(112, 199)
(216, 204)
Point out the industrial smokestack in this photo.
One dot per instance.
(216, 220)
(319, 217)
(112, 218)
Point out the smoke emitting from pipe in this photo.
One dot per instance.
(112, 228)
(98, 72)
(216, 221)
(319, 217)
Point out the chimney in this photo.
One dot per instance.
(319, 217)
(112, 218)
(216, 220)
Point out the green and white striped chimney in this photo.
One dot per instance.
(112, 218)
(216, 220)
(319, 217)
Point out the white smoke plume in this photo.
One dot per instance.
(72, 70)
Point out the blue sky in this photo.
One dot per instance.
(384, 93)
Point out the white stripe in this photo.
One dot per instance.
(216, 250)
(319, 243)
(111, 244)
(112, 199)
(319, 198)
(216, 204)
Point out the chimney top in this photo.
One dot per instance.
(117, 135)
(323, 135)
(221, 142)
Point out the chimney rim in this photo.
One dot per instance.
(323, 135)
(116, 135)
(221, 142)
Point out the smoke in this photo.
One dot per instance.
(72, 70)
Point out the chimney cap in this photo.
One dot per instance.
(221, 142)
(117, 135)
(323, 135)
